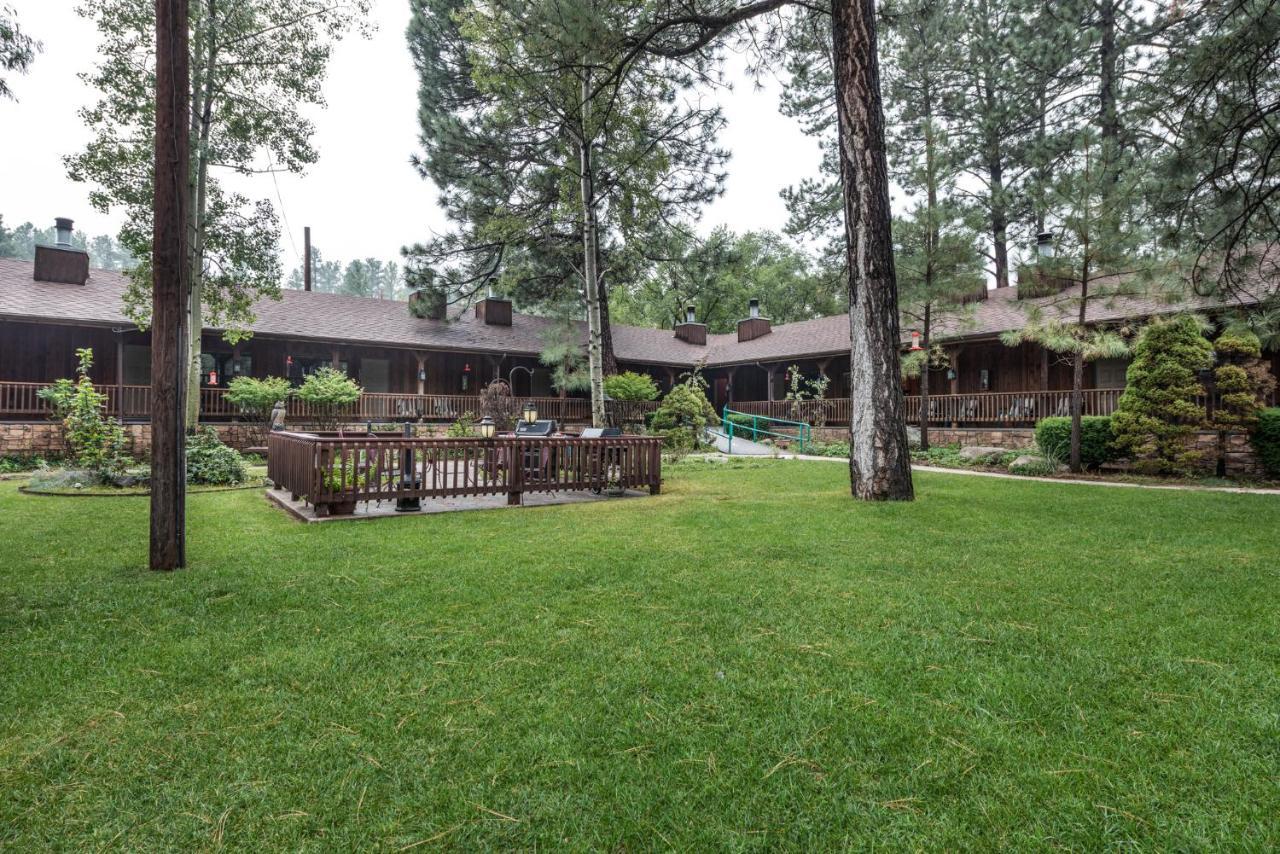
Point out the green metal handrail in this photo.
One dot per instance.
(804, 432)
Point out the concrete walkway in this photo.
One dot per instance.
(1243, 490)
(741, 447)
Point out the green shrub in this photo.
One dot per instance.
(1158, 415)
(1053, 435)
(684, 414)
(630, 385)
(327, 391)
(211, 462)
(96, 441)
(463, 428)
(1037, 467)
(1266, 440)
(256, 399)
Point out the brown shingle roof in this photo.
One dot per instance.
(334, 317)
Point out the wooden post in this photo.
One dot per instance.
(1044, 369)
(306, 258)
(120, 374)
(769, 374)
(422, 383)
(171, 285)
(333, 358)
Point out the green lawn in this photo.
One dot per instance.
(748, 661)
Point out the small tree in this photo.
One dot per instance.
(685, 413)
(96, 441)
(497, 402)
(630, 385)
(1242, 381)
(1158, 415)
(326, 392)
(257, 398)
(562, 353)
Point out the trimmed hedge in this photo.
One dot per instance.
(1266, 440)
(1053, 435)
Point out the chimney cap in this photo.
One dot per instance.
(62, 226)
(690, 314)
(753, 307)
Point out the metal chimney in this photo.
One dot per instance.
(753, 308)
(62, 226)
(690, 314)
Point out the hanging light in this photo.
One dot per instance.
(915, 342)
(487, 427)
(530, 413)
(422, 375)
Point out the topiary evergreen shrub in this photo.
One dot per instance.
(211, 462)
(1266, 440)
(1158, 415)
(1053, 435)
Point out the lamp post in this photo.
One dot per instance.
(486, 427)
(530, 413)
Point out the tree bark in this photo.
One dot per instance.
(202, 117)
(590, 259)
(608, 361)
(1077, 373)
(171, 280)
(879, 458)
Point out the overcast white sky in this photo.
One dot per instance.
(362, 198)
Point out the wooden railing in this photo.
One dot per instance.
(19, 400)
(985, 408)
(1014, 408)
(334, 473)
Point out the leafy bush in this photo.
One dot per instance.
(1053, 435)
(684, 414)
(96, 441)
(827, 449)
(1158, 415)
(327, 391)
(630, 385)
(19, 463)
(463, 428)
(211, 462)
(257, 398)
(1266, 440)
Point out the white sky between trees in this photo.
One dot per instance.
(362, 198)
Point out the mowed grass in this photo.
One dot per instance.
(749, 661)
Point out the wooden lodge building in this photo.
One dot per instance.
(424, 369)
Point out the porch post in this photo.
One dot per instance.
(1044, 369)
(729, 373)
(422, 383)
(120, 374)
(333, 358)
(769, 374)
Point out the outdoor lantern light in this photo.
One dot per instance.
(530, 413)
(951, 373)
(487, 427)
(1044, 244)
(422, 375)
(915, 342)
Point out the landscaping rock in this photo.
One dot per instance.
(980, 453)
(1027, 460)
(913, 437)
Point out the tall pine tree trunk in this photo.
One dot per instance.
(608, 361)
(590, 260)
(879, 458)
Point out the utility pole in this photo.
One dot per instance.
(306, 258)
(171, 286)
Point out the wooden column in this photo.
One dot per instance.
(1044, 369)
(120, 374)
(729, 374)
(422, 383)
(333, 358)
(769, 375)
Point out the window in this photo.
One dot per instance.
(375, 375)
(1110, 373)
(137, 364)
